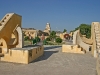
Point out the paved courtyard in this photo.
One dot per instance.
(53, 62)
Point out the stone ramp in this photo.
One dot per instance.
(5, 19)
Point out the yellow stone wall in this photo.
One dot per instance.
(62, 36)
(23, 55)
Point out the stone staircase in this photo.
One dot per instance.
(97, 37)
(72, 49)
(4, 20)
(97, 45)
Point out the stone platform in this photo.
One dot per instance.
(23, 55)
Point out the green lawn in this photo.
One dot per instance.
(27, 43)
(49, 43)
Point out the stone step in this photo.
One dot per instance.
(96, 25)
(98, 43)
(98, 46)
(97, 31)
(97, 37)
(98, 34)
(5, 20)
(2, 23)
(96, 28)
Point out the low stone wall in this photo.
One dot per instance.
(23, 55)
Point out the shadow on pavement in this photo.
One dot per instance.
(31, 46)
(51, 47)
(47, 53)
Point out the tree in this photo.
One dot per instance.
(85, 29)
(24, 34)
(48, 39)
(53, 35)
(26, 38)
(34, 41)
(37, 39)
(64, 31)
(45, 42)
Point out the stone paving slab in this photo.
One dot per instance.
(53, 62)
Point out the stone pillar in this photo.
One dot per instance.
(20, 38)
(75, 37)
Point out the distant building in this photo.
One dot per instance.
(58, 33)
(47, 28)
(31, 32)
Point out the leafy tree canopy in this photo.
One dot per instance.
(85, 29)
(64, 31)
(53, 35)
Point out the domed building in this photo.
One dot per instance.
(47, 28)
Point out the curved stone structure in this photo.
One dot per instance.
(78, 40)
(94, 42)
(9, 32)
(85, 40)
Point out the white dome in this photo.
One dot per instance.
(48, 23)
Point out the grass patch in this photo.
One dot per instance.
(54, 43)
(27, 43)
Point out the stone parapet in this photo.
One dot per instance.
(23, 55)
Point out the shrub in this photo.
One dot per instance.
(26, 38)
(34, 41)
(48, 39)
(37, 39)
(58, 40)
(45, 42)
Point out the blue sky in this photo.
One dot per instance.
(61, 14)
